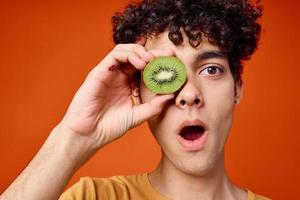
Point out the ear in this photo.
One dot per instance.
(141, 40)
(238, 91)
(135, 88)
(135, 97)
(136, 79)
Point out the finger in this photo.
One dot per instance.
(125, 61)
(162, 52)
(125, 56)
(149, 109)
(139, 52)
(138, 49)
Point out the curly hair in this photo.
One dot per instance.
(230, 24)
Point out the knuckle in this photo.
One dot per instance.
(119, 46)
(132, 55)
(130, 47)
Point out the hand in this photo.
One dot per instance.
(102, 108)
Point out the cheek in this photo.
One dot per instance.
(220, 105)
(156, 127)
(145, 94)
(162, 125)
(155, 122)
(165, 117)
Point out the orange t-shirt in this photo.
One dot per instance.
(121, 188)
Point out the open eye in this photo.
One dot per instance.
(212, 70)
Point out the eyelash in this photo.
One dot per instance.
(214, 67)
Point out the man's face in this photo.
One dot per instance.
(193, 128)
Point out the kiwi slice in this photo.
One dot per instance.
(164, 75)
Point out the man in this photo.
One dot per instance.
(212, 38)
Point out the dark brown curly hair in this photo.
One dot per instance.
(229, 24)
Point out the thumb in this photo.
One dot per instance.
(149, 109)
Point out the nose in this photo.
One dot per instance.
(189, 96)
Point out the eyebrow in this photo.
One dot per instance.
(211, 54)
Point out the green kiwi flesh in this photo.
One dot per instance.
(164, 75)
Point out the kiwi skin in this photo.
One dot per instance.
(164, 75)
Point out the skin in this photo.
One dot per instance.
(209, 96)
(89, 124)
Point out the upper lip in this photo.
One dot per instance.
(195, 122)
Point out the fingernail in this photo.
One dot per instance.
(169, 51)
(149, 56)
(169, 96)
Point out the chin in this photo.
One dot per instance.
(198, 169)
(199, 165)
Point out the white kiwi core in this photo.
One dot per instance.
(164, 75)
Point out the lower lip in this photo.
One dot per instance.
(193, 145)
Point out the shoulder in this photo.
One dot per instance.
(106, 188)
(83, 189)
(253, 196)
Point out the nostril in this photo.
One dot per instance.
(197, 101)
(182, 102)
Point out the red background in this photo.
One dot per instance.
(48, 47)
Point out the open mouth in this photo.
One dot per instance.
(192, 133)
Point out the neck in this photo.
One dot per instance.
(212, 185)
